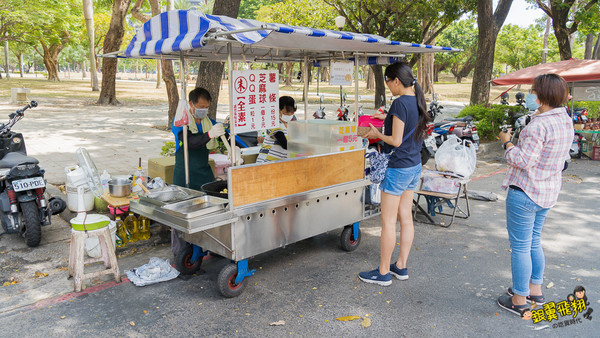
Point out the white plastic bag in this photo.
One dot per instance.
(457, 156)
(157, 270)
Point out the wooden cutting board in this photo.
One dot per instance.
(116, 202)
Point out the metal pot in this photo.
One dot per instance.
(119, 187)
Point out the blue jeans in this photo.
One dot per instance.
(524, 222)
(398, 180)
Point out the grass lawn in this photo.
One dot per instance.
(145, 92)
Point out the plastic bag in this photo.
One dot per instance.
(184, 117)
(457, 156)
(157, 270)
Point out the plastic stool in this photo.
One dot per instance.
(77, 259)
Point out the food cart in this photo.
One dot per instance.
(268, 205)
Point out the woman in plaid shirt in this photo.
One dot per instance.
(533, 181)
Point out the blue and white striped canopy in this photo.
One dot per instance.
(204, 36)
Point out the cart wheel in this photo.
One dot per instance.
(349, 243)
(183, 261)
(226, 281)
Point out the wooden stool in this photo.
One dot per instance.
(77, 260)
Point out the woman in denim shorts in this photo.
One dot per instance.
(404, 127)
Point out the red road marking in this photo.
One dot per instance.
(73, 295)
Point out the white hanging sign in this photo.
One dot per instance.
(341, 73)
(255, 100)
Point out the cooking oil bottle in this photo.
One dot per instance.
(132, 225)
(144, 227)
(139, 173)
(122, 234)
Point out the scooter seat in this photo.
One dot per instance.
(14, 159)
(460, 119)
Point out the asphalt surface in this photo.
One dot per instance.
(456, 273)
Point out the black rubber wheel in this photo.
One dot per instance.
(32, 223)
(56, 205)
(183, 261)
(424, 155)
(347, 240)
(226, 281)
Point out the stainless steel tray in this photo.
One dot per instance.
(195, 207)
(182, 195)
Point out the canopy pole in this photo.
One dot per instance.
(305, 87)
(186, 159)
(355, 117)
(230, 85)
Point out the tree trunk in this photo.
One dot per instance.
(596, 54)
(112, 43)
(82, 66)
(489, 24)
(88, 13)
(589, 46)
(50, 58)
(288, 73)
(564, 43)
(379, 86)
(158, 74)
(546, 35)
(210, 73)
(20, 57)
(369, 77)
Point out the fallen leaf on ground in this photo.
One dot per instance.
(63, 317)
(549, 285)
(132, 323)
(366, 322)
(40, 274)
(348, 318)
(145, 312)
(278, 323)
(63, 268)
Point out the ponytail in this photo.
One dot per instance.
(423, 116)
(402, 72)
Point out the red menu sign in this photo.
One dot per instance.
(255, 100)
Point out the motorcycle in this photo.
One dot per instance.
(23, 205)
(342, 111)
(320, 113)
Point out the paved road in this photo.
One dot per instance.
(455, 276)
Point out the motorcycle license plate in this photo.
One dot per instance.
(475, 137)
(430, 143)
(28, 183)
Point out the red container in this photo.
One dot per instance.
(596, 153)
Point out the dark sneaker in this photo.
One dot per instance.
(537, 299)
(375, 277)
(401, 274)
(505, 302)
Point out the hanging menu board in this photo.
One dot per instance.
(341, 73)
(591, 93)
(255, 100)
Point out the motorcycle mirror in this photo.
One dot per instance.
(322, 98)
(33, 104)
(358, 98)
(345, 96)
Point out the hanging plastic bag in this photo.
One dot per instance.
(457, 156)
(184, 117)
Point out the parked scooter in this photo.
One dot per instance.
(342, 111)
(320, 113)
(23, 206)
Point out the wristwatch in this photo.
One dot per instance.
(505, 144)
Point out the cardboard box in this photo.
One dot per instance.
(162, 167)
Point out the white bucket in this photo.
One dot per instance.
(88, 198)
(75, 176)
(92, 244)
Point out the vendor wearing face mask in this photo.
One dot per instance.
(531, 101)
(198, 143)
(274, 146)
